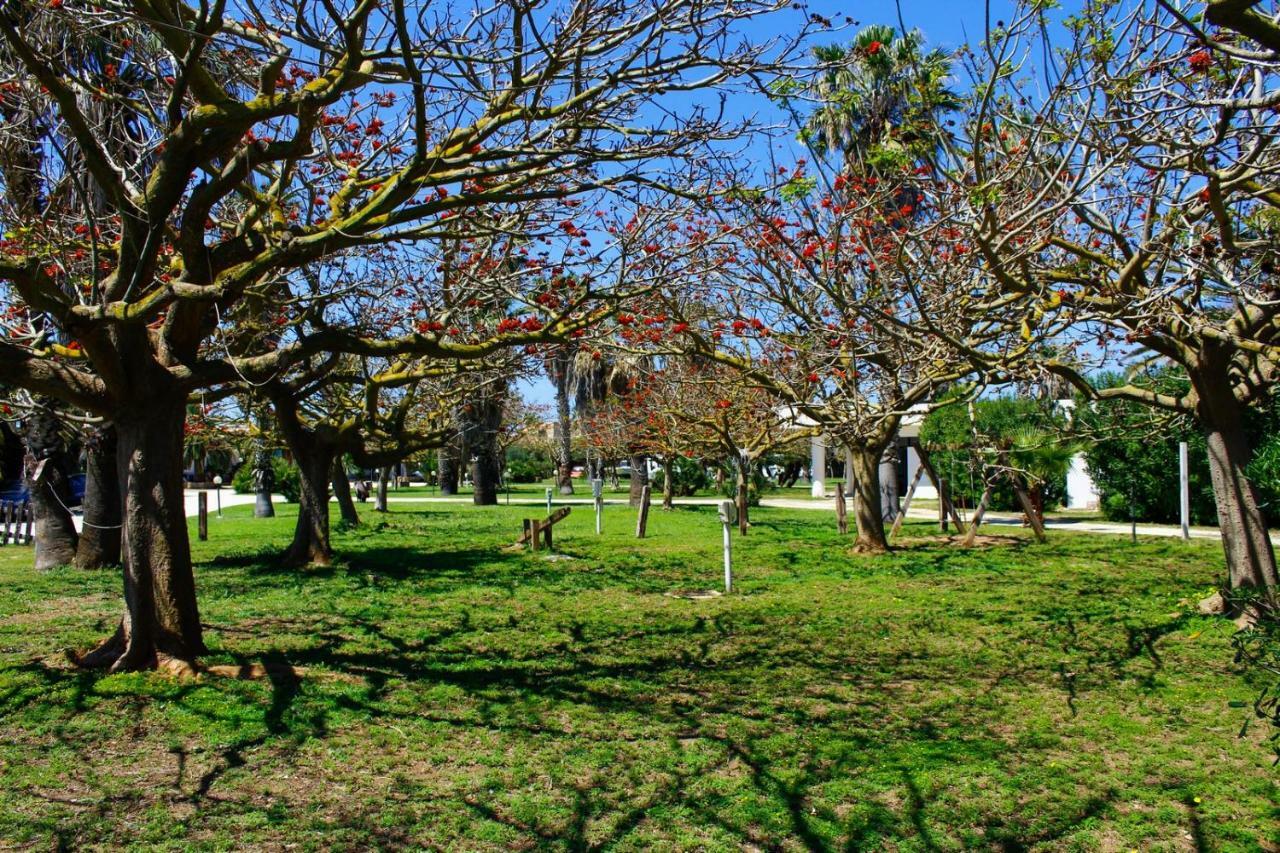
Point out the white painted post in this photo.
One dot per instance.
(1184, 491)
(728, 515)
(818, 467)
(597, 492)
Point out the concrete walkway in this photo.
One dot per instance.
(1068, 525)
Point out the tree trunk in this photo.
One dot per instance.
(46, 473)
(668, 485)
(380, 502)
(450, 459)
(100, 540)
(639, 479)
(1251, 561)
(889, 484)
(342, 491)
(867, 515)
(564, 435)
(743, 498)
(161, 625)
(486, 473)
(264, 476)
(311, 534)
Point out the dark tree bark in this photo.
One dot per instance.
(264, 476)
(668, 484)
(161, 625)
(380, 501)
(100, 540)
(560, 367)
(639, 478)
(864, 481)
(46, 472)
(889, 484)
(486, 474)
(311, 544)
(450, 458)
(1251, 561)
(342, 491)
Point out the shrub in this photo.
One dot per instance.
(1029, 430)
(1134, 458)
(288, 483)
(529, 465)
(687, 477)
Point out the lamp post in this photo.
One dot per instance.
(217, 488)
(506, 481)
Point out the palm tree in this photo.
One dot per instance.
(879, 100)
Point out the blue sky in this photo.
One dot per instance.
(946, 25)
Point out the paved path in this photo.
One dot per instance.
(1066, 524)
(191, 503)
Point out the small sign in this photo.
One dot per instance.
(728, 512)
(597, 488)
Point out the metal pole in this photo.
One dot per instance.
(1184, 491)
(548, 500)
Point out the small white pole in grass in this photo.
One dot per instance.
(728, 517)
(548, 500)
(597, 492)
(1184, 490)
(217, 490)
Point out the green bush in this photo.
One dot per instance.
(1133, 457)
(687, 477)
(757, 485)
(1031, 433)
(529, 465)
(288, 483)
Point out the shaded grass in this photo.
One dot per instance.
(459, 697)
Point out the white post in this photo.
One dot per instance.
(818, 467)
(1184, 490)
(728, 516)
(728, 560)
(597, 492)
(548, 500)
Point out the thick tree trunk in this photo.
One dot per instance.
(161, 625)
(639, 479)
(100, 540)
(486, 473)
(46, 469)
(1251, 561)
(342, 491)
(450, 458)
(867, 514)
(380, 501)
(311, 534)
(564, 441)
(743, 498)
(264, 476)
(264, 482)
(889, 485)
(668, 485)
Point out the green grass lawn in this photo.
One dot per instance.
(454, 696)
